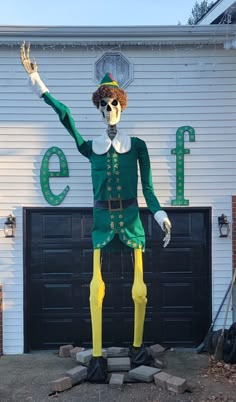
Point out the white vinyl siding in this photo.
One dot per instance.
(172, 87)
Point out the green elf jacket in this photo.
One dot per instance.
(114, 169)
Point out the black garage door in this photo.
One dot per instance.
(58, 269)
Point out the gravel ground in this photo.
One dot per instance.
(27, 378)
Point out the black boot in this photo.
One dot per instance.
(139, 356)
(97, 370)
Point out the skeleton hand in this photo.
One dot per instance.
(163, 220)
(29, 66)
(167, 226)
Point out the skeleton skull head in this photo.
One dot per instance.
(110, 109)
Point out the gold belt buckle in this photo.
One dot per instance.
(110, 204)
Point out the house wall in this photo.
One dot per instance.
(172, 86)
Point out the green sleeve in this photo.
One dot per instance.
(68, 122)
(146, 177)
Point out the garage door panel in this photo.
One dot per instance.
(176, 296)
(117, 265)
(86, 226)
(178, 330)
(149, 265)
(118, 296)
(83, 292)
(181, 261)
(50, 333)
(57, 296)
(188, 226)
(56, 262)
(176, 260)
(55, 228)
(184, 295)
(151, 330)
(183, 331)
(52, 297)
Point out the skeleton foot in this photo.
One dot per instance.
(97, 370)
(139, 356)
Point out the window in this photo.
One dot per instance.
(117, 65)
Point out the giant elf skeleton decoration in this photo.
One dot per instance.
(114, 159)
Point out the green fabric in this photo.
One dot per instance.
(114, 176)
(108, 80)
(64, 117)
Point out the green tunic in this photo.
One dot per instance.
(114, 176)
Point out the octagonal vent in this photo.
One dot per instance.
(117, 65)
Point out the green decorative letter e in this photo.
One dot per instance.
(45, 175)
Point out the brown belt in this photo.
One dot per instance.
(115, 204)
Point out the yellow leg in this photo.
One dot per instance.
(97, 293)
(139, 295)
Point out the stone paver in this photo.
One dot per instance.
(85, 356)
(116, 380)
(118, 363)
(143, 373)
(77, 374)
(115, 351)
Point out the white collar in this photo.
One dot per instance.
(121, 143)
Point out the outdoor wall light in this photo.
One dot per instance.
(224, 227)
(10, 226)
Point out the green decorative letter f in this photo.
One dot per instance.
(179, 151)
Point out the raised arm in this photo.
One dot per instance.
(40, 89)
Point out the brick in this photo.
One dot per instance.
(161, 378)
(77, 374)
(176, 384)
(144, 373)
(61, 384)
(65, 350)
(156, 350)
(75, 350)
(114, 351)
(116, 380)
(118, 364)
(85, 356)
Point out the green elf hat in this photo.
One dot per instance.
(109, 81)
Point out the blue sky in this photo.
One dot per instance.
(95, 12)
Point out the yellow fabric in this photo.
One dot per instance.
(97, 293)
(110, 84)
(139, 295)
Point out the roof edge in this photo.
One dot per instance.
(217, 9)
(130, 35)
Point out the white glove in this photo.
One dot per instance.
(165, 224)
(37, 85)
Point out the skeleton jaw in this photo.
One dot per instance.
(110, 110)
